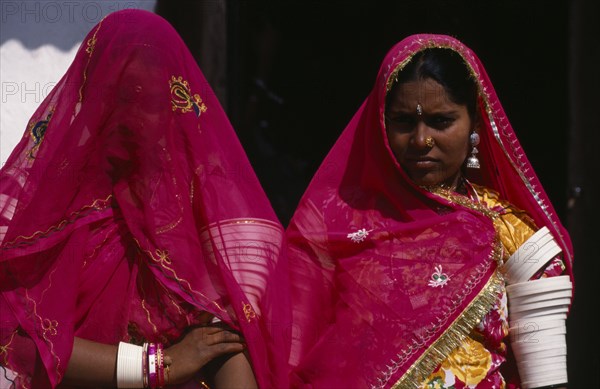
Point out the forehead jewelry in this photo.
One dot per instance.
(419, 109)
(429, 142)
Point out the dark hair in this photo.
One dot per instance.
(447, 68)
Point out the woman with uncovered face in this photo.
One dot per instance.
(425, 249)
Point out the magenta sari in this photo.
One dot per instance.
(387, 277)
(129, 211)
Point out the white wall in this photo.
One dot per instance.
(38, 41)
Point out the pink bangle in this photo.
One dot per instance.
(160, 368)
(152, 365)
(145, 364)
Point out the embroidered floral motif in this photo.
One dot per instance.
(91, 44)
(162, 257)
(248, 311)
(438, 278)
(37, 131)
(182, 98)
(359, 235)
(49, 326)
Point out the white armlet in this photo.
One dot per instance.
(531, 256)
(537, 314)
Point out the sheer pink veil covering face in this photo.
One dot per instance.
(129, 212)
(387, 278)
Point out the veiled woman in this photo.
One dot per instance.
(133, 228)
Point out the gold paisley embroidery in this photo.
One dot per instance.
(182, 98)
(470, 362)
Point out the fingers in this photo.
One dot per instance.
(224, 337)
(227, 348)
(213, 335)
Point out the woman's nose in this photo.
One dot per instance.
(421, 135)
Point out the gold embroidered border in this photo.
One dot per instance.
(47, 325)
(91, 45)
(98, 205)
(464, 201)
(453, 336)
(422, 45)
(4, 348)
(161, 257)
(154, 329)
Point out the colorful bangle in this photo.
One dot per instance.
(160, 368)
(152, 381)
(145, 364)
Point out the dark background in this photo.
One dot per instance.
(318, 60)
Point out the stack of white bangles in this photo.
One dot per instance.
(537, 313)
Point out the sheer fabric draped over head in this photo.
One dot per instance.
(387, 277)
(129, 209)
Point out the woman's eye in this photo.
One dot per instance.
(440, 122)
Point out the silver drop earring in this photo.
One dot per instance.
(473, 161)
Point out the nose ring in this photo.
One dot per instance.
(429, 142)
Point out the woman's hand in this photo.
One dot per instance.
(198, 347)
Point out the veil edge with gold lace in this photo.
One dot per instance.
(365, 242)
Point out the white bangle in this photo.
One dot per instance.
(531, 256)
(537, 311)
(130, 366)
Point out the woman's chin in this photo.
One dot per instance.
(426, 180)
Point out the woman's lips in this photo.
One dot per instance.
(421, 162)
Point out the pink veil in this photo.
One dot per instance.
(368, 249)
(129, 208)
